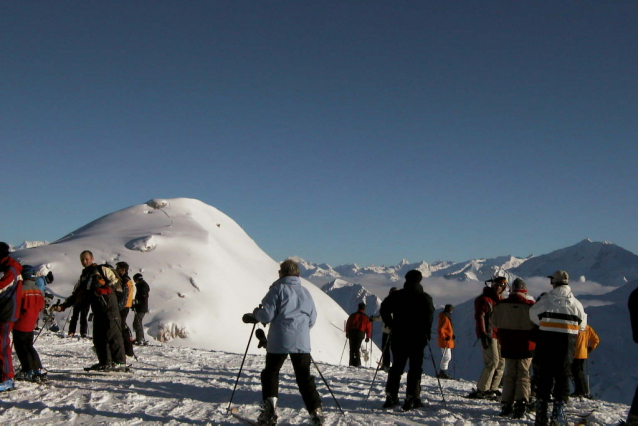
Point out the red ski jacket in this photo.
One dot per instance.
(30, 307)
(359, 321)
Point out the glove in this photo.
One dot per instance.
(589, 350)
(453, 337)
(486, 341)
(249, 319)
(367, 339)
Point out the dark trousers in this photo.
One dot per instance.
(386, 355)
(355, 337)
(28, 356)
(554, 354)
(581, 387)
(305, 382)
(401, 354)
(81, 312)
(107, 330)
(138, 327)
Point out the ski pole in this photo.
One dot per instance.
(41, 329)
(387, 342)
(343, 351)
(66, 321)
(327, 385)
(437, 378)
(241, 367)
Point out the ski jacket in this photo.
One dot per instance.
(10, 289)
(514, 329)
(31, 304)
(125, 297)
(131, 292)
(632, 304)
(359, 321)
(409, 313)
(142, 291)
(585, 343)
(92, 284)
(559, 312)
(290, 310)
(483, 307)
(445, 331)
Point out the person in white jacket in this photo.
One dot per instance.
(559, 317)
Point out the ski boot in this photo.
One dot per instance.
(507, 409)
(558, 414)
(443, 375)
(541, 413)
(316, 417)
(391, 401)
(268, 416)
(7, 385)
(520, 408)
(412, 402)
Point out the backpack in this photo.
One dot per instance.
(118, 279)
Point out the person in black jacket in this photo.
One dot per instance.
(632, 417)
(140, 306)
(408, 313)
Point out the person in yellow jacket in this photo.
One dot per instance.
(585, 343)
(445, 340)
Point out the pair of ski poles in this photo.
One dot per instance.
(242, 366)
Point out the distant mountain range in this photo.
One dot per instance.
(601, 262)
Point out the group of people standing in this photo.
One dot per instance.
(108, 292)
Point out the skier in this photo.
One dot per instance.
(514, 331)
(10, 292)
(358, 327)
(445, 340)
(408, 313)
(140, 306)
(31, 304)
(124, 302)
(97, 284)
(585, 343)
(493, 363)
(560, 316)
(290, 310)
(632, 416)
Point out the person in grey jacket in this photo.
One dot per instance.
(290, 311)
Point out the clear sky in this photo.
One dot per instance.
(338, 131)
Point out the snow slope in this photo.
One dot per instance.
(173, 385)
(205, 272)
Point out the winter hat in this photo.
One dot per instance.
(448, 308)
(4, 250)
(559, 278)
(413, 276)
(519, 285)
(362, 306)
(28, 271)
(138, 276)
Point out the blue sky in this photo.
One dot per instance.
(339, 131)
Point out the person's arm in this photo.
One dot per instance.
(268, 309)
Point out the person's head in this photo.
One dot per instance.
(392, 290)
(28, 272)
(519, 286)
(4, 250)
(559, 278)
(289, 268)
(138, 277)
(413, 277)
(449, 309)
(499, 284)
(121, 268)
(86, 258)
(362, 306)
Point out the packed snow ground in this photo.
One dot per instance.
(177, 385)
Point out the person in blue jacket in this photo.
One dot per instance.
(290, 311)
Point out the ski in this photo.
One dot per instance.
(234, 411)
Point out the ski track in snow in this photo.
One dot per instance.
(172, 385)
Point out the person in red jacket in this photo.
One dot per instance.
(30, 307)
(493, 363)
(358, 327)
(10, 290)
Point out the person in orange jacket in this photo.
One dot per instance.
(358, 327)
(445, 340)
(585, 343)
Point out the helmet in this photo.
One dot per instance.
(28, 272)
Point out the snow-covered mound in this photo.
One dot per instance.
(601, 262)
(205, 272)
